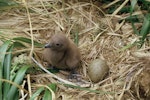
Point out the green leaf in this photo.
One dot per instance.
(37, 93)
(47, 95)
(146, 26)
(7, 4)
(18, 44)
(87, 89)
(18, 79)
(77, 38)
(7, 64)
(27, 40)
(144, 31)
(133, 3)
(3, 50)
(16, 96)
(127, 46)
(134, 28)
(53, 86)
(133, 18)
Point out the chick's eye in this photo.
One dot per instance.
(57, 44)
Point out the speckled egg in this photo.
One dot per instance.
(97, 70)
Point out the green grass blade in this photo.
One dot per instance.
(87, 89)
(8, 4)
(53, 86)
(134, 28)
(47, 95)
(76, 38)
(16, 96)
(37, 93)
(145, 29)
(133, 3)
(27, 40)
(7, 64)
(127, 46)
(18, 44)
(18, 79)
(3, 50)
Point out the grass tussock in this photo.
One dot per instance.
(97, 34)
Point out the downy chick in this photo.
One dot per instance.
(62, 53)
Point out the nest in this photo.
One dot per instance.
(100, 35)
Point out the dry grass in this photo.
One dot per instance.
(100, 36)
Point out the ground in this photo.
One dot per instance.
(97, 34)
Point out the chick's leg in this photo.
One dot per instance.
(74, 75)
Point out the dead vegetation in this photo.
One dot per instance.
(99, 35)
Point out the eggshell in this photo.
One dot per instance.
(97, 70)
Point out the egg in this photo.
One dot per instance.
(97, 70)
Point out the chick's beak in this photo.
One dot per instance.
(48, 46)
